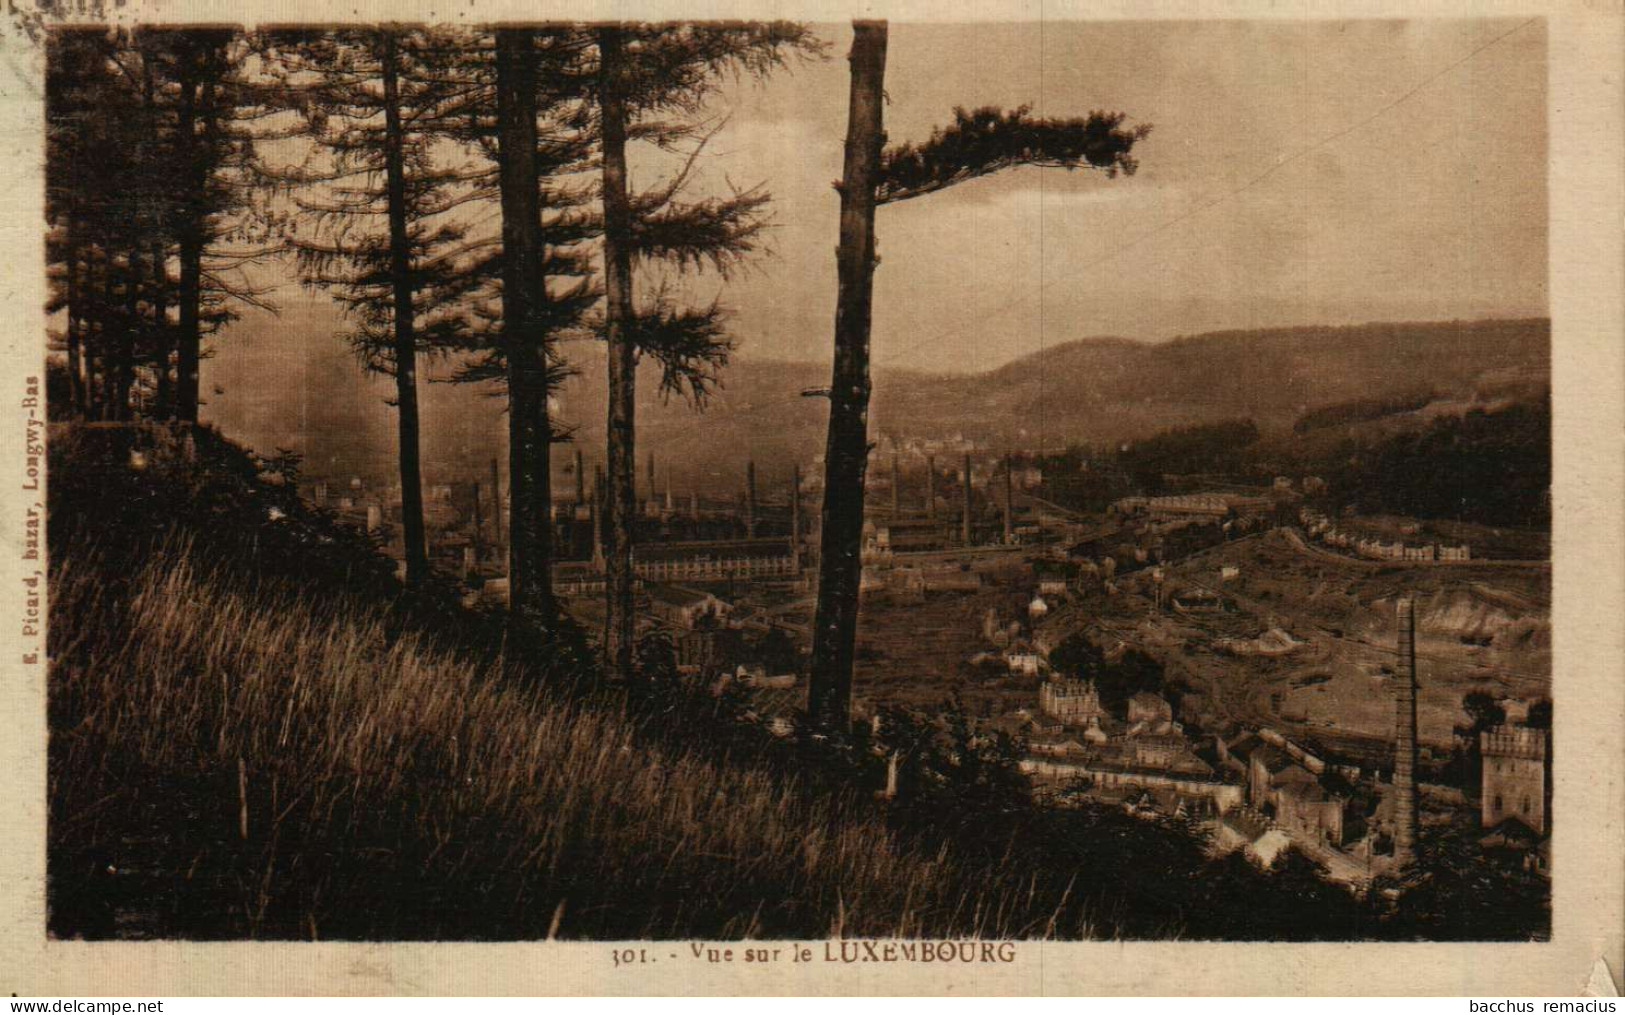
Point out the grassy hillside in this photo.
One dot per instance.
(302, 775)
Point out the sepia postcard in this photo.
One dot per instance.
(660, 498)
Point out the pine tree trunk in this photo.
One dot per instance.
(405, 337)
(530, 543)
(76, 324)
(157, 272)
(125, 375)
(108, 395)
(846, 455)
(188, 338)
(162, 337)
(621, 509)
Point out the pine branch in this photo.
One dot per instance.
(716, 231)
(988, 140)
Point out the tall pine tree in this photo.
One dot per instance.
(521, 110)
(974, 144)
(385, 243)
(652, 81)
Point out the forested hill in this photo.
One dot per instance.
(1097, 390)
(1090, 391)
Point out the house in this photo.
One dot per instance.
(708, 650)
(1037, 608)
(1197, 600)
(1189, 506)
(1292, 796)
(1021, 658)
(1512, 837)
(1108, 777)
(1148, 707)
(1052, 585)
(1251, 830)
(1074, 702)
(1304, 807)
(685, 607)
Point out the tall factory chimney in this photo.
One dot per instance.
(1405, 737)
(896, 488)
(1008, 535)
(581, 481)
(652, 494)
(750, 498)
(931, 487)
(964, 518)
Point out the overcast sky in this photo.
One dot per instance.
(1432, 209)
(1297, 173)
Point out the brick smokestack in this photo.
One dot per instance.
(964, 518)
(581, 480)
(750, 498)
(653, 495)
(1007, 501)
(931, 487)
(1405, 737)
(896, 488)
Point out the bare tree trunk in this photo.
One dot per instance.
(400, 269)
(530, 535)
(846, 456)
(619, 631)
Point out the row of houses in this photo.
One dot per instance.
(1142, 760)
(1321, 527)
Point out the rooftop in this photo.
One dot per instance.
(678, 595)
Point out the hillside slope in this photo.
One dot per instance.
(1092, 391)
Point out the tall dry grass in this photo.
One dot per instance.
(227, 761)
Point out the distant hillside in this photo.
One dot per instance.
(1096, 390)
(1099, 390)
